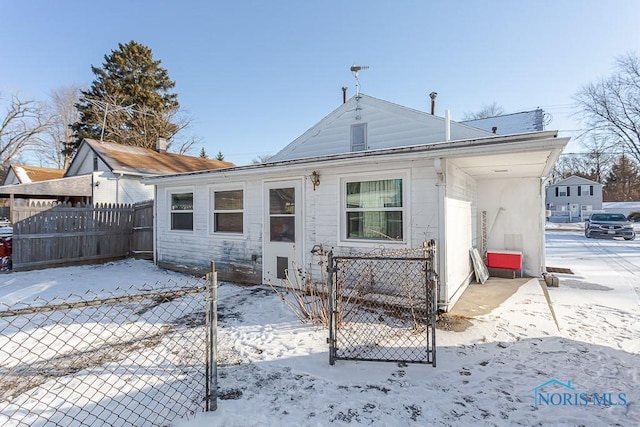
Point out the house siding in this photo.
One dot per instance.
(461, 228)
(239, 259)
(515, 219)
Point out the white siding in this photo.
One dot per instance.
(461, 220)
(322, 215)
(515, 218)
(388, 125)
(119, 189)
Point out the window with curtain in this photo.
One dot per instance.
(374, 210)
(228, 215)
(182, 211)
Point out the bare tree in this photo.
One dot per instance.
(261, 159)
(23, 123)
(610, 107)
(56, 143)
(488, 110)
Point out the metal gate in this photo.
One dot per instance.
(383, 307)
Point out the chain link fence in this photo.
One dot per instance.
(128, 357)
(383, 306)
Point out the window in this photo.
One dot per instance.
(228, 216)
(282, 214)
(359, 137)
(182, 211)
(374, 210)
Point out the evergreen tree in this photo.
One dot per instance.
(203, 154)
(220, 156)
(129, 102)
(623, 182)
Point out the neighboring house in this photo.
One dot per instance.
(106, 172)
(24, 174)
(573, 198)
(371, 174)
(507, 124)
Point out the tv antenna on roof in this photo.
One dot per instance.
(355, 69)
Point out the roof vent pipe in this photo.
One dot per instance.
(494, 129)
(344, 94)
(433, 95)
(447, 125)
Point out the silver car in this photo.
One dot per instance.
(609, 225)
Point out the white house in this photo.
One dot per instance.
(573, 198)
(371, 174)
(101, 172)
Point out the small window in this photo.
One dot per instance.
(374, 210)
(182, 211)
(228, 215)
(359, 137)
(563, 194)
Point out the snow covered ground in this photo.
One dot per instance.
(274, 371)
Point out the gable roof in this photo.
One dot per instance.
(145, 161)
(575, 180)
(507, 124)
(26, 174)
(388, 125)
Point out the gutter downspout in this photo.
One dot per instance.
(543, 221)
(155, 224)
(440, 166)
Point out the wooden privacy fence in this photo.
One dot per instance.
(50, 235)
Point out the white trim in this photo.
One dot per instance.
(369, 176)
(211, 210)
(177, 190)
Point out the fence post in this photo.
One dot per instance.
(332, 305)
(211, 301)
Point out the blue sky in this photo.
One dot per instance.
(254, 75)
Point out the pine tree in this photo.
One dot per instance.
(129, 102)
(220, 156)
(623, 182)
(203, 154)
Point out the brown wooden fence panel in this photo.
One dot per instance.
(142, 234)
(48, 235)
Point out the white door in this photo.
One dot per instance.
(282, 249)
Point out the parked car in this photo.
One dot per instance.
(609, 225)
(634, 217)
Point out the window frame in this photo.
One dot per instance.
(343, 210)
(212, 210)
(364, 142)
(171, 211)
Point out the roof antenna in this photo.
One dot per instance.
(355, 69)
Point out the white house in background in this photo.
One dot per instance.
(371, 174)
(105, 172)
(573, 198)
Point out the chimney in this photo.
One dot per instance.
(433, 95)
(161, 145)
(344, 94)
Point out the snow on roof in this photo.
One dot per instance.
(525, 121)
